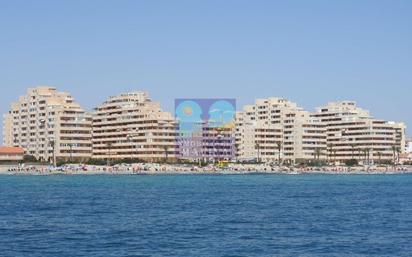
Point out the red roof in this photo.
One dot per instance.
(11, 150)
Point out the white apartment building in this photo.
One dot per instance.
(353, 134)
(131, 126)
(49, 125)
(276, 129)
(409, 146)
(212, 144)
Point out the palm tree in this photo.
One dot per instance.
(353, 150)
(330, 152)
(394, 148)
(367, 155)
(53, 145)
(318, 152)
(71, 152)
(109, 148)
(380, 157)
(364, 155)
(166, 149)
(398, 151)
(257, 146)
(279, 144)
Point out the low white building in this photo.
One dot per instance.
(11, 154)
(406, 158)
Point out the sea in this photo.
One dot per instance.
(206, 215)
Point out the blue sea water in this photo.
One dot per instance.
(206, 215)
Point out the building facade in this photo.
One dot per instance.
(49, 125)
(276, 130)
(206, 129)
(207, 144)
(353, 134)
(406, 158)
(409, 146)
(8, 129)
(11, 154)
(131, 126)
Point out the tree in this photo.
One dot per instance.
(166, 149)
(330, 146)
(398, 150)
(109, 148)
(353, 150)
(53, 145)
(394, 153)
(29, 158)
(318, 152)
(99, 162)
(352, 162)
(279, 145)
(380, 157)
(257, 146)
(366, 153)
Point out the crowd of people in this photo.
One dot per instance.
(154, 168)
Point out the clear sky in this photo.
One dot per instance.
(310, 52)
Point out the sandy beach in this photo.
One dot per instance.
(155, 169)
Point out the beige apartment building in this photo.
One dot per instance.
(276, 129)
(131, 126)
(49, 125)
(353, 134)
(8, 129)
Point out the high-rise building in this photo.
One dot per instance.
(209, 144)
(353, 134)
(277, 130)
(131, 126)
(206, 129)
(49, 125)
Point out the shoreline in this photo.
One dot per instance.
(166, 169)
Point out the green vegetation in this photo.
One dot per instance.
(29, 159)
(351, 162)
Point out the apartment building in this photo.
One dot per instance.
(8, 129)
(207, 143)
(49, 125)
(257, 140)
(407, 156)
(132, 126)
(277, 130)
(206, 129)
(353, 134)
(409, 146)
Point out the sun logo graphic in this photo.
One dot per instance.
(205, 127)
(189, 115)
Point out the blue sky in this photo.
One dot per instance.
(310, 52)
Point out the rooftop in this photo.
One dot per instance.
(11, 150)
